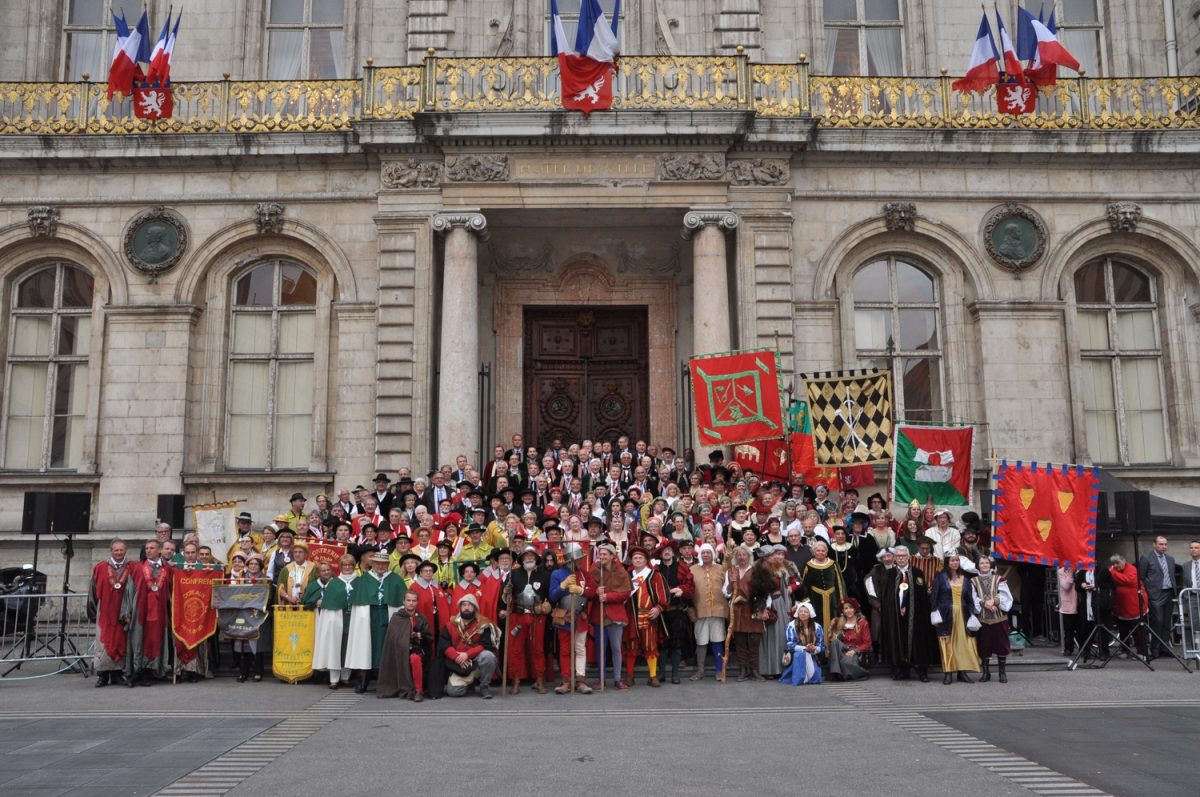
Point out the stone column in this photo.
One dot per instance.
(711, 332)
(458, 392)
(710, 278)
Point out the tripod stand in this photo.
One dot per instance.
(53, 646)
(1107, 637)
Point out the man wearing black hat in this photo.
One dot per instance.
(527, 593)
(383, 498)
(296, 512)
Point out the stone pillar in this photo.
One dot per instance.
(710, 278)
(710, 288)
(458, 393)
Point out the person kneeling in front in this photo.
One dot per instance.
(467, 644)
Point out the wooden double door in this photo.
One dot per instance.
(586, 374)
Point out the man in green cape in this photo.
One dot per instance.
(375, 597)
(327, 595)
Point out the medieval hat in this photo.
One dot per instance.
(297, 497)
(469, 598)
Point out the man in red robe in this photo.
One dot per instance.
(109, 580)
(434, 605)
(145, 611)
(647, 601)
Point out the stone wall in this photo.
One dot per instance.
(229, 36)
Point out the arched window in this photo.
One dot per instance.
(1116, 312)
(46, 383)
(897, 327)
(271, 354)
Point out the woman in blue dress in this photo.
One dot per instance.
(805, 641)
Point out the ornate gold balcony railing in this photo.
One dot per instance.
(648, 83)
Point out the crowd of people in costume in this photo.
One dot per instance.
(561, 569)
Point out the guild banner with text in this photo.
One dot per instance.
(193, 618)
(295, 636)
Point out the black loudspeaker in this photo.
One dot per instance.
(170, 510)
(1102, 513)
(1133, 510)
(985, 506)
(62, 513)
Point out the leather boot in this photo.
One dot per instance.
(987, 672)
(360, 688)
(654, 681)
(948, 678)
(1003, 675)
(963, 678)
(102, 680)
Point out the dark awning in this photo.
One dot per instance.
(1167, 516)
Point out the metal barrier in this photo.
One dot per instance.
(40, 629)
(1189, 623)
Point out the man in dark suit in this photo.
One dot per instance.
(1191, 580)
(1157, 571)
(1191, 569)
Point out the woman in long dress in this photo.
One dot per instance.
(849, 642)
(953, 599)
(805, 642)
(787, 578)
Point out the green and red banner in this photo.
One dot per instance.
(193, 618)
(1046, 515)
(803, 452)
(737, 397)
(933, 464)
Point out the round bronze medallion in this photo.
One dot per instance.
(155, 241)
(1015, 237)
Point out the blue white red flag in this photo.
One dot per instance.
(143, 50)
(1050, 54)
(158, 55)
(982, 71)
(586, 72)
(1011, 65)
(123, 68)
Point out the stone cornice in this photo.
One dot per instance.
(1023, 309)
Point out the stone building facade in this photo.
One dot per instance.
(341, 284)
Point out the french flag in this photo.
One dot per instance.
(170, 50)
(586, 72)
(1050, 55)
(123, 68)
(983, 71)
(1012, 64)
(158, 56)
(143, 48)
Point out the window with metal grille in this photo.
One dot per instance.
(862, 37)
(1116, 322)
(305, 39)
(897, 327)
(47, 369)
(270, 385)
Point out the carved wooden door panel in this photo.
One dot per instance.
(585, 374)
